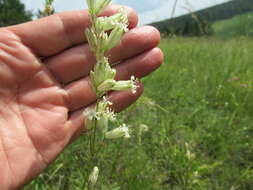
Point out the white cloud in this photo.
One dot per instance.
(142, 5)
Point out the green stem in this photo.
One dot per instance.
(161, 108)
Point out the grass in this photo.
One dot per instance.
(198, 107)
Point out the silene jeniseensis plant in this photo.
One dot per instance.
(48, 9)
(104, 34)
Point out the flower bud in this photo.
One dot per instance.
(103, 105)
(108, 23)
(144, 128)
(91, 5)
(49, 9)
(102, 72)
(114, 37)
(119, 132)
(102, 124)
(125, 85)
(93, 177)
(105, 86)
(92, 39)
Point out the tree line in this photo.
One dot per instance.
(13, 12)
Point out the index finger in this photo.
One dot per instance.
(51, 35)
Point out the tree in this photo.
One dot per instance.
(13, 12)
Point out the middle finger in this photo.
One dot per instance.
(77, 62)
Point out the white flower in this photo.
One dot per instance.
(125, 85)
(119, 132)
(89, 114)
(189, 155)
(133, 84)
(108, 23)
(144, 128)
(104, 114)
(107, 101)
(110, 114)
(103, 105)
(93, 176)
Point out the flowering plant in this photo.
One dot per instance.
(48, 9)
(103, 34)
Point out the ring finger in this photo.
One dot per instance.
(80, 93)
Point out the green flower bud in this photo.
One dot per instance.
(125, 85)
(88, 124)
(102, 124)
(107, 85)
(114, 37)
(102, 72)
(91, 6)
(92, 39)
(93, 177)
(119, 132)
(108, 23)
(103, 43)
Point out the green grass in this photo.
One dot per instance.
(199, 110)
(241, 25)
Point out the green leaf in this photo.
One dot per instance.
(100, 5)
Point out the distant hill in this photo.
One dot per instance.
(199, 22)
(241, 25)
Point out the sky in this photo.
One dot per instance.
(149, 10)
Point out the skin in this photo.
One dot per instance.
(44, 86)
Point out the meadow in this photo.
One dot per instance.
(199, 110)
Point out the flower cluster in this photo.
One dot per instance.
(104, 34)
(48, 9)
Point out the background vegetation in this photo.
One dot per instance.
(13, 12)
(198, 23)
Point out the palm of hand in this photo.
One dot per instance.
(33, 112)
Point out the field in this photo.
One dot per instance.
(198, 107)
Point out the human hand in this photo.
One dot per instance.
(44, 86)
